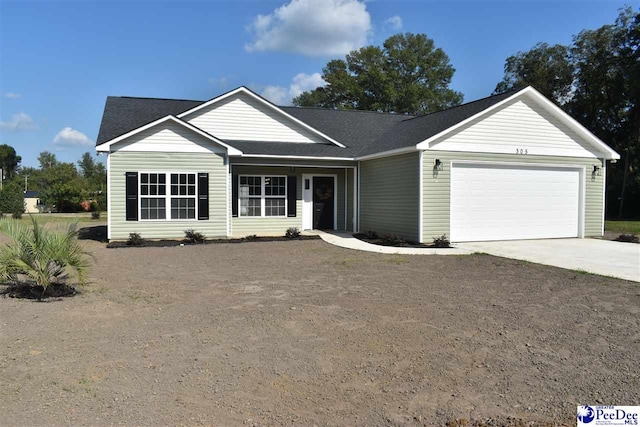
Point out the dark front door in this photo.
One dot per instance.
(323, 200)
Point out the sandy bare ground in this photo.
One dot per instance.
(303, 333)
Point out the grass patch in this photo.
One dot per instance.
(626, 227)
(396, 260)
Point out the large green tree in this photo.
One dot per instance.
(9, 161)
(95, 179)
(12, 199)
(408, 74)
(602, 91)
(607, 97)
(61, 185)
(547, 68)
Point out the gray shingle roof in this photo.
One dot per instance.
(123, 114)
(363, 132)
(415, 130)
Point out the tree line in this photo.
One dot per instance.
(596, 79)
(61, 186)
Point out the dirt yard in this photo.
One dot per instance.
(303, 333)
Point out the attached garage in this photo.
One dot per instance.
(493, 201)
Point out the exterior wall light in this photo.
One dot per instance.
(597, 170)
(437, 165)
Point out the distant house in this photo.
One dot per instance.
(31, 202)
(510, 166)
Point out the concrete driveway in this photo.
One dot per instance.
(615, 259)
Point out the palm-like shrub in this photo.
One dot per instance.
(41, 257)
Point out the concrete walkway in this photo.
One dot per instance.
(604, 257)
(346, 240)
(615, 259)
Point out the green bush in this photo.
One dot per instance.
(193, 236)
(135, 239)
(292, 233)
(95, 215)
(41, 257)
(441, 242)
(392, 240)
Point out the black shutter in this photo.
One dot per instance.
(132, 196)
(203, 196)
(234, 195)
(292, 187)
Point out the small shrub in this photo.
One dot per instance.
(370, 234)
(17, 214)
(441, 242)
(392, 240)
(292, 233)
(629, 238)
(135, 239)
(95, 215)
(38, 258)
(251, 237)
(194, 236)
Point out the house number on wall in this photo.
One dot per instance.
(522, 151)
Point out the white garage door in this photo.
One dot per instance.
(501, 202)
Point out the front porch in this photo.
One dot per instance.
(268, 198)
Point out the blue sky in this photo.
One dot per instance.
(59, 60)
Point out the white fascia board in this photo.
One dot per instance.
(263, 101)
(549, 106)
(389, 153)
(106, 146)
(275, 156)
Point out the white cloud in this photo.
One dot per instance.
(395, 22)
(312, 27)
(20, 121)
(12, 95)
(68, 137)
(301, 82)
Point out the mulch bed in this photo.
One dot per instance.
(171, 243)
(26, 291)
(392, 242)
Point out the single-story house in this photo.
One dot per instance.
(31, 202)
(510, 166)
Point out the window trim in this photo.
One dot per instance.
(167, 196)
(263, 196)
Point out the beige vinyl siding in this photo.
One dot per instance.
(243, 118)
(244, 226)
(389, 192)
(436, 189)
(519, 124)
(121, 162)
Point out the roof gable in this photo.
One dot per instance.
(526, 120)
(172, 137)
(242, 115)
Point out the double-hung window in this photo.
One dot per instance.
(157, 202)
(263, 196)
(153, 195)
